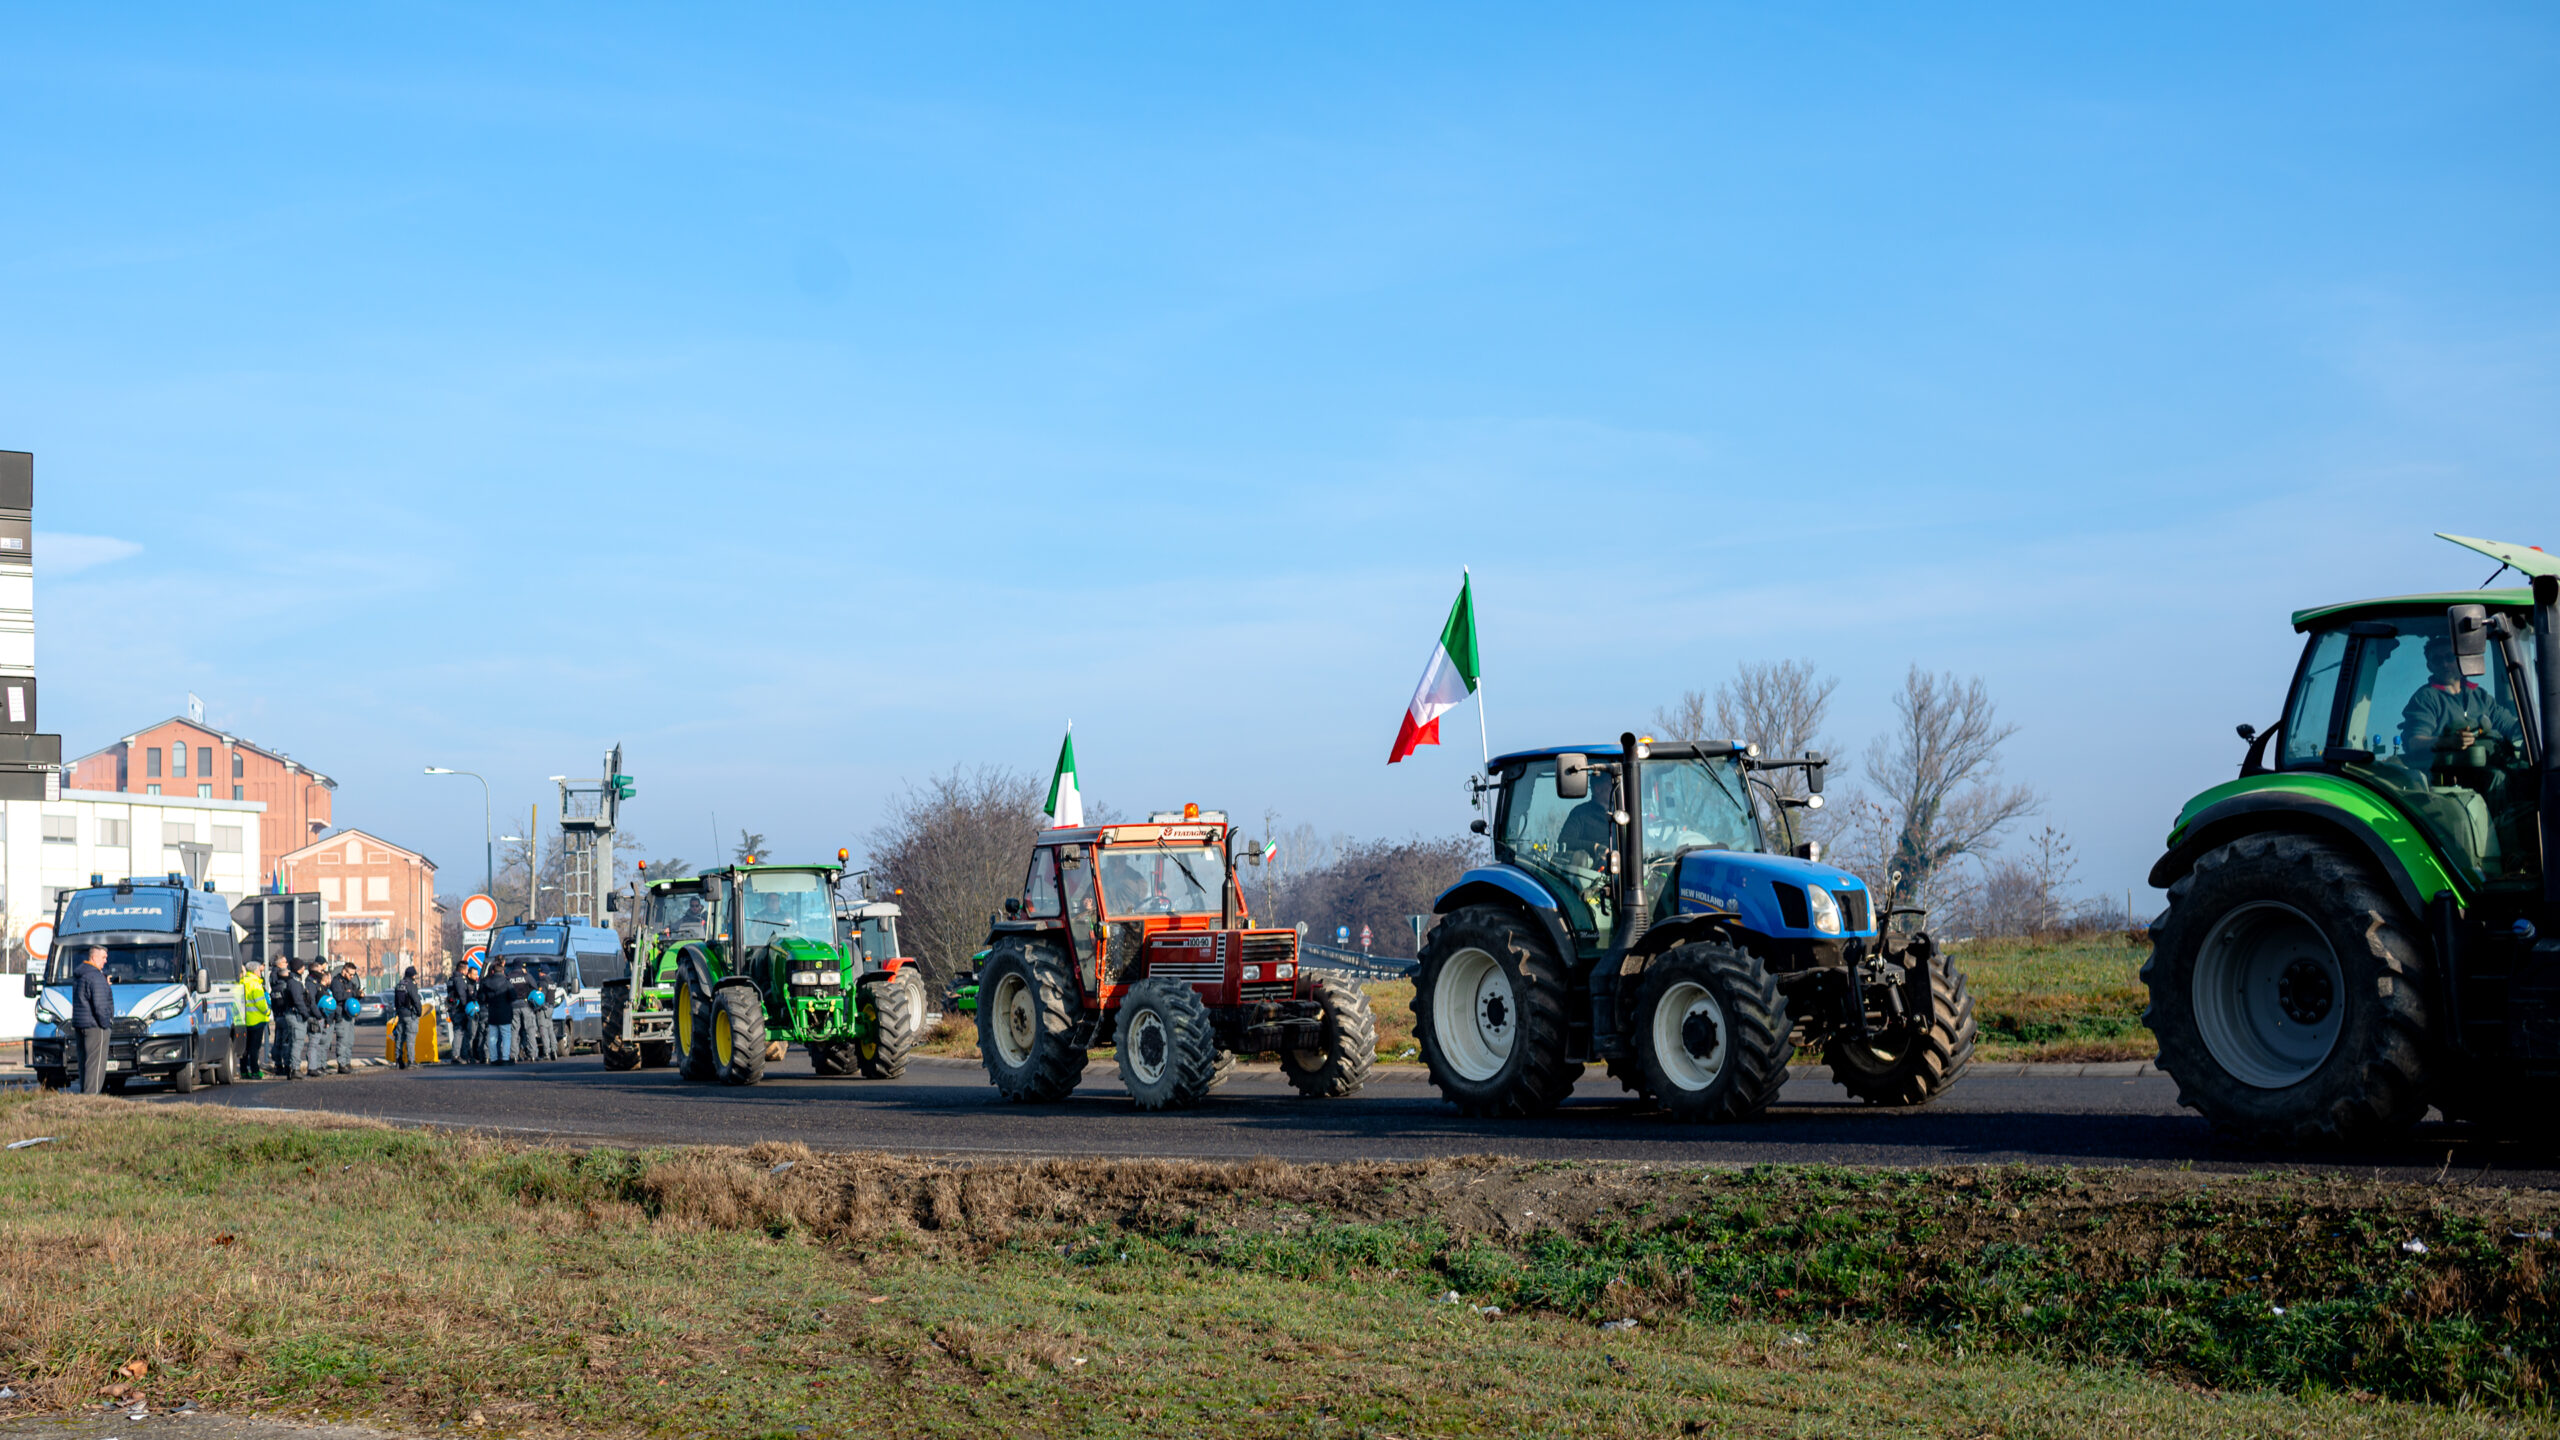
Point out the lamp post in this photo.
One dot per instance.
(488, 846)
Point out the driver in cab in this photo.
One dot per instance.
(1128, 889)
(2450, 715)
(690, 923)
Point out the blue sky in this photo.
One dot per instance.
(812, 399)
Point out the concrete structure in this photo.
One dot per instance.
(48, 846)
(185, 757)
(29, 761)
(382, 903)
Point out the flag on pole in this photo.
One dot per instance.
(1448, 677)
(1066, 803)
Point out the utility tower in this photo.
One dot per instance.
(588, 810)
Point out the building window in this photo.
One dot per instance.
(176, 832)
(178, 759)
(226, 839)
(239, 792)
(151, 762)
(151, 789)
(204, 792)
(62, 829)
(328, 857)
(238, 765)
(112, 832)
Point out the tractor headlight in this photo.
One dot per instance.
(1283, 972)
(1824, 910)
(1253, 972)
(804, 977)
(830, 977)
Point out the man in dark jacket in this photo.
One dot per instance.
(93, 1018)
(342, 1030)
(528, 1021)
(406, 1007)
(498, 1007)
(285, 998)
(457, 997)
(315, 1030)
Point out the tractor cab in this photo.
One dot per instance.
(869, 931)
(1130, 901)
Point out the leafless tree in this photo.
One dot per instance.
(1376, 883)
(2026, 894)
(957, 846)
(1934, 791)
(1779, 706)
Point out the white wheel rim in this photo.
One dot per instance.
(1672, 1036)
(1476, 1015)
(1149, 1046)
(915, 1004)
(2269, 995)
(1017, 1022)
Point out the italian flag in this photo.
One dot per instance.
(1066, 803)
(1448, 677)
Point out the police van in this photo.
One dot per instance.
(571, 954)
(176, 974)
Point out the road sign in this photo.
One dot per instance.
(1341, 934)
(474, 958)
(40, 939)
(479, 913)
(476, 937)
(1364, 938)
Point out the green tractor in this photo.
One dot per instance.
(2367, 921)
(771, 968)
(639, 1021)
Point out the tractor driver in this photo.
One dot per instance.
(2450, 714)
(1127, 888)
(690, 922)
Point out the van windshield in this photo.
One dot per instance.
(126, 964)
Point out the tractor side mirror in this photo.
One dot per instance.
(612, 902)
(1013, 907)
(1479, 827)
(1573, 777)
(2470, 625)
(1814, 765)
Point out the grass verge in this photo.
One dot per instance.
(277, 1263)
(2061, 1000)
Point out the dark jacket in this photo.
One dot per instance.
(522, 985)
(497, 997)
(293, 996)
(93, 999)
(405, 1002)
(350, 999)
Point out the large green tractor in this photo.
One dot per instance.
(770, 970)
(2367, 921)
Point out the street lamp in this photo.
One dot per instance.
(488, 847)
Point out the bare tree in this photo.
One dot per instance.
(957, 846)
(1779, 706)
(1376, 883)
(1936, 796)
(2021, 895)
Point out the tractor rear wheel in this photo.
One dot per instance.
(1710, 1032)
(832, 1057)
(1339, 1062)
(693, 1034)
(1489, 1014)
(1027, 1023)
(1168, 1049)
(739, 1051)
(1908, 1063)
(2287, 988)
(897, 1010)
(618, 1053)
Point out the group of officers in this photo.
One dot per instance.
(313, 1015)
(503, 1014)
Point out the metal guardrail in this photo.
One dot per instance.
(1356, 963)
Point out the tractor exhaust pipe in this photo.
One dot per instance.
(1631, 920)
(2546, 635)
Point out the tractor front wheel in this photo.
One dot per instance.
(1910, 1061)
(1710, 1032)
(2287, 990)
(1339, 1062)
(1489, 1014)
(1167, 1046)
(897, 1014)
(693, 1034)
(739, 1051)
(617, 1053)
(1027, 1023)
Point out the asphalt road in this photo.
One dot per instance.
(2046, 1116)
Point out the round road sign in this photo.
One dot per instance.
(40, 939)
(479, 913)
(475, 959)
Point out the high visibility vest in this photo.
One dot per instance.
(253, 999)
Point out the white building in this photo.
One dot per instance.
(48, 846)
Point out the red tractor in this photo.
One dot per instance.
(1135, 936)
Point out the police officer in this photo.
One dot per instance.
(498, 1010)
(93, 1018)
(255, 1015)
(406, 1006)
(342, 1030)
(520, 993)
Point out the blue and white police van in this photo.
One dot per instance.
(176, 971)
(571, 954)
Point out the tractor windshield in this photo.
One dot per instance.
(1163, 880)
(874, 938)
(776, 903)
(680, 914)
(1696, 803)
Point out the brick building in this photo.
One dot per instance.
(180, 757)
(382, 903)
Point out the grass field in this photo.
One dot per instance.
(247, 1262)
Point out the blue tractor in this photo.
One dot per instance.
(1635, 915)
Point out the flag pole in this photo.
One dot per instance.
(1466, 582)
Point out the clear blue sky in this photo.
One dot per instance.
(812, 400)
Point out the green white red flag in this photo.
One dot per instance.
(1066, 803)
(1448, 677)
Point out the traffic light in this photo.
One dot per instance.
(622, 787)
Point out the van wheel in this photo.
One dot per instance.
(227, 1068)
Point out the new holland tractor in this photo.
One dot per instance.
(2367, 920)
(1136, 936)
(1635, 915)
(768, 970)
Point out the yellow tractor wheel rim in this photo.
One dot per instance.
(684, 1019)
(724, 1046)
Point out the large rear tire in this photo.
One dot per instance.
(616, 1052)
(693, 1035)
(1167, 1047)
(1910, 1063)
(739, 1051)
(1339, 1062)
(897, 1015)
(2287, 991)
(1027, 1025)
(1490, 1014)
(1710, 1033)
